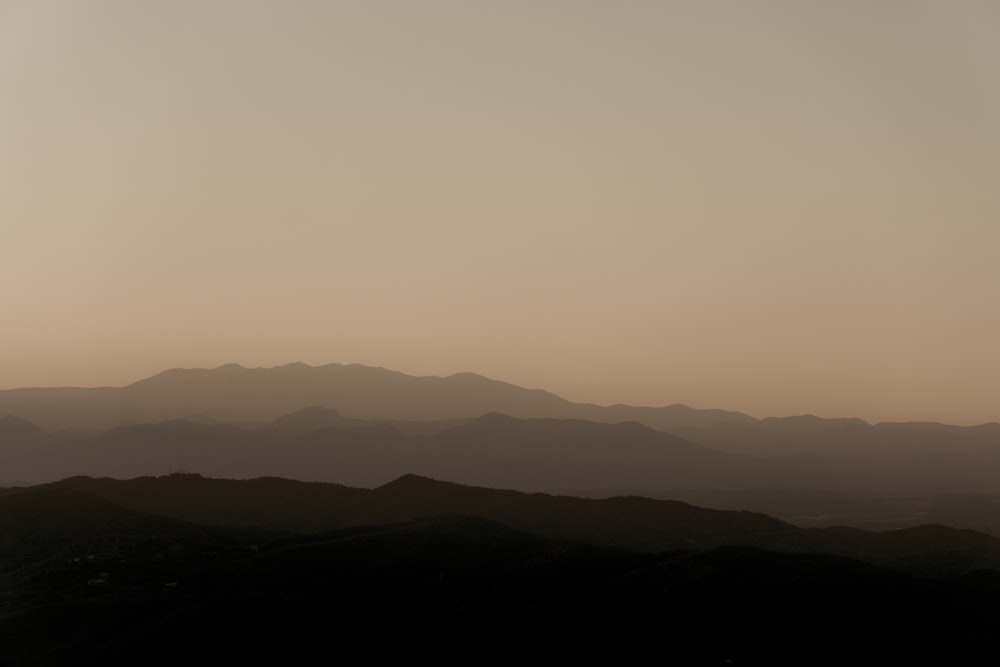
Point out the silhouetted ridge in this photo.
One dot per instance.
(32, 518)
(92, 581)
(418, 487)
(633, 523)
(409, 483)
(266, 502)
(14, 429)
(455, 431)
(236, 394)
(174, 376)
(494, 450)
(312, 413)
(810, 422)
(412, 496)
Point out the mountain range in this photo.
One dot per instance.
(362, 425)
(238, 395)
(492, 450)
(194, 514)
(182, 567)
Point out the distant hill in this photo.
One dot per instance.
(356, 424)
(538, 454)
(21, 431)
(240, 395)
(492, 450)
(245, 396)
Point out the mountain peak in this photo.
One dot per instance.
(313, 418)
(467, 375)
(294, 366)
(230, 367)
(411, 482)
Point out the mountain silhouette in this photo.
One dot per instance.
(238, 395)
(321, 417)
(313, 418)
(17, 430)
(494, 450)
(632, 523)
(158, 570)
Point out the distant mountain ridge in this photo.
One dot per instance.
(320, 445)
(355, 424)
(234, 394)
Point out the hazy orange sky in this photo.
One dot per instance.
(776, 207)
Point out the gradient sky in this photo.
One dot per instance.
(777, 207)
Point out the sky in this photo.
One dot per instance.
(777, 207)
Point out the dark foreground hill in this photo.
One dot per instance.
(631, 523)
(122, 572)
